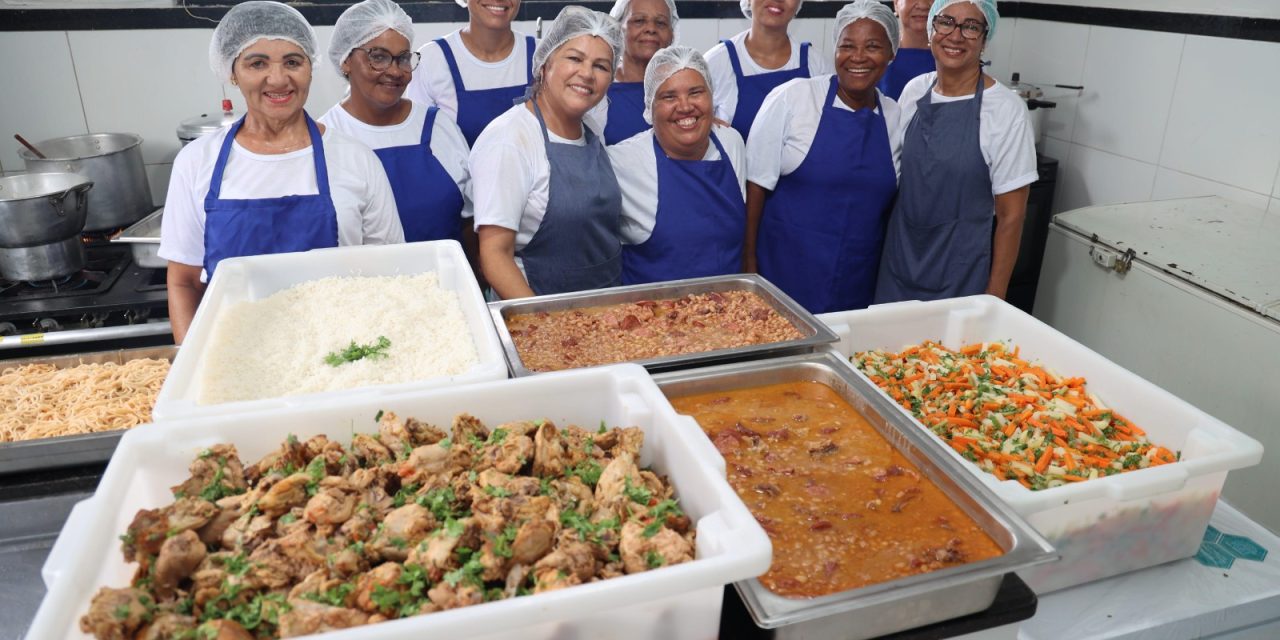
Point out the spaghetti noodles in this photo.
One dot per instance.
(43, 401)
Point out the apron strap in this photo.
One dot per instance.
(529, 46)
(215, 181)
(733, 58)
(804, 58)
(428, 126)
(317, 158)
(452, 63)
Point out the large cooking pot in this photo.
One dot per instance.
(113, 161)
(193, 128)
(41, 217)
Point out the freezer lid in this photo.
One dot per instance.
(1223, 247)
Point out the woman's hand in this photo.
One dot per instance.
(498, 262)
(185, 291)
(756, 196)
(1011, 210)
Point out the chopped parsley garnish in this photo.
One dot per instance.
(660, 513)
(353, 352)
(639, 494)
(497, 492)
(653, 559)
(588, 471)
(405, 495)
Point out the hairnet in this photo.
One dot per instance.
(745, 5)
(249, 22)
(363, 22)
(987, 7)
(871, 10)
(572, 22)
(620, 8)
(665, 63)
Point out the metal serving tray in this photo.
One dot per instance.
(143, 237)
(815, 333)
(65, 451)
(899, 604)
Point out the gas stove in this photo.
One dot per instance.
(109, 300)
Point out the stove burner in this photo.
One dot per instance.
(72, 282)
(93, 238)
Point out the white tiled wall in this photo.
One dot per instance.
(1162, 115)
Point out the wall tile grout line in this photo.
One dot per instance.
(75, 75)
(1164, 134)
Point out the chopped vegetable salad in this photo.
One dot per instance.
(1012, 418)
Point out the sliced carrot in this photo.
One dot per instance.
(1045, 459)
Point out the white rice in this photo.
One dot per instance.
(276, 346)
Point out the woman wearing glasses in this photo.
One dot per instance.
(274, 181)
(425, 156)
(647, 25)
(968, 157)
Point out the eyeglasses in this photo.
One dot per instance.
(381, 59)
(971, 30)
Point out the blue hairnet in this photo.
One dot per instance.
(987, 7)
(249, 22)
(871, 10)
(363, 22)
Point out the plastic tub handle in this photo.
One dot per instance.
(70, 542)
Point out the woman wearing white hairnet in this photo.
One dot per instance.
(548, 206)
(424, 155)
(746, 67)
(477, 72)
(822, 174)
(968, 159)
(648, 25)
(683, 207)
(913, 58)
(274, 181)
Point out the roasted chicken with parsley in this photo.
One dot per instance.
(317, 537)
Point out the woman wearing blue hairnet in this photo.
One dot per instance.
(274, 181)
(746, 67)
(424, 155)
(477, 72)
(968, 158)
(821, 177)
(548, 206)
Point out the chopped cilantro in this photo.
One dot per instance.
(639, 494)
(603, 428)
(121, 612)
(660, 513)
(654, 559)
(377, 417)
(236, 565)
(335, 597)
(288, 518)
(405, 494)
(373, 351)
(588, 471)
(497, 492)
(445, 444)
(502, 543)
(497, 436)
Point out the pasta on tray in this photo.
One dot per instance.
(44, 401)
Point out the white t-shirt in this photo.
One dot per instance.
(432, 83)
(357, 183)
(509, 160)
(788, 120)
(447, 143)
(724, 84)
(1004, 131)
(636, 166)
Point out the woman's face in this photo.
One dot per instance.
(493, 14)
(913, 14)
(773, 13)
(953, 51)
(682, 115)
(648, 24)
(576, 76)
(378, 89)
(862, 55)
(274, 76)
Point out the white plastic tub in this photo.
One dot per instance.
(1105, 526)
(257, 277)
(680, 601)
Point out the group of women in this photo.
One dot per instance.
(607, 154)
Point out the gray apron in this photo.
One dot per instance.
(938, 244)
(577, 246)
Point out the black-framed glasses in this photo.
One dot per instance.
(380, 59)
(971, 30)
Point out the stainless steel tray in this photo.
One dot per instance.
(143, 237)
(814, 332)
(900, 604)
(65, 451)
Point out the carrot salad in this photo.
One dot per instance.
(1012, 418)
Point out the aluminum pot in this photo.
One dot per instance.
(193, 128)
(41, 208)
(113, 161)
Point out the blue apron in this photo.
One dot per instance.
(259, 226)
(700, 224)
(752, 90)
(904, 68)
(939, 239)
(428, 199)
(626, 112)
(822, 228)
(576, 247)
(476, 109)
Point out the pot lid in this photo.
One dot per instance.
(193, 128)
(1024, 90)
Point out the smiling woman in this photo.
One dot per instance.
(274, 181)
(649, 25)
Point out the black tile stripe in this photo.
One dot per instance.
(325, 12)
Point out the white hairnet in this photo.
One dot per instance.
(871, 10)
(987, 7)
(666, 63)
(572, 22)
(249, 22)
(745, 5)
(363, 22)
(620, 8)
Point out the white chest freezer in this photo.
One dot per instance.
(1185, 293)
